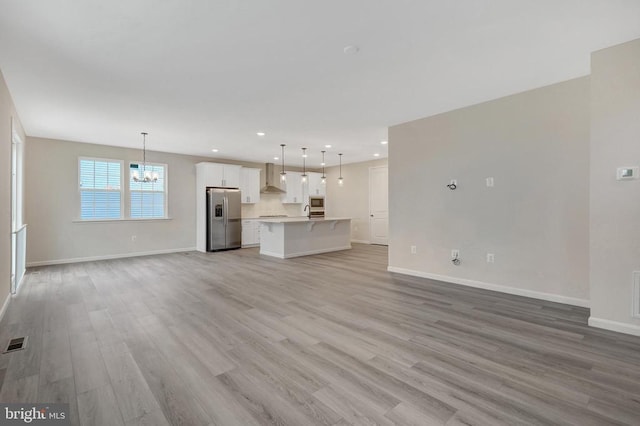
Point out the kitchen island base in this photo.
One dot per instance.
(292, 237)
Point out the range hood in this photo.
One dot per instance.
(269, 188)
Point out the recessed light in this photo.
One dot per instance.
(351, 50)
(214, 150)
(384, 142)
(276, 158)
(376, 155)
(327, 146)
(260, 133)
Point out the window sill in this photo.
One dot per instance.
(144, 219)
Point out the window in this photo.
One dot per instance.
(100, 188)
(148, 199)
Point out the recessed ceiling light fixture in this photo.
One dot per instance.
(351, 50)
(260, 133)
(327, 146)
(376, 155)
(384, 142)
(214, 150)
(276, 158)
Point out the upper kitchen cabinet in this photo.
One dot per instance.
(315, 185)
(250, 185)
(220, 175)
(293, 186)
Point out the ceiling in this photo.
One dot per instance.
(204, 74)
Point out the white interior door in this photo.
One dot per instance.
(379, 205)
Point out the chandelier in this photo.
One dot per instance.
(147, 176)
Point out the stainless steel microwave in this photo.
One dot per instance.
(316, 202)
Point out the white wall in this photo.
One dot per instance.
(351, 199)
(535, 220)
(7, 115)
(615, 205)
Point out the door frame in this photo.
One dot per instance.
(18, 228)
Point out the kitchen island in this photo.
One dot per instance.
(292, 237)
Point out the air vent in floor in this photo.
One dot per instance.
(16, 344)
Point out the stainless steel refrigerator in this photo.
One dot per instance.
(224, 224)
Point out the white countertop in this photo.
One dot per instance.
(302, 219)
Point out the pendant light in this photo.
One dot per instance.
(304, 165)
(323, 179)
(340, 180)
(147, 175)
(283, 174)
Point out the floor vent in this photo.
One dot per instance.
(16, 344)
(636, 294)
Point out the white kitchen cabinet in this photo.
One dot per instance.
(293, 186)
(250, 185)
(315, 185)
(220, 175)
(250, 233)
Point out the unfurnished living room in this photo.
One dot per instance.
(296, 212)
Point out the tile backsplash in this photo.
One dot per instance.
(271, 205)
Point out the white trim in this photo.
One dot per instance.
(107, 257)
(620, 327)
(304, 253)
(584, 303)
(361, 241)
(5, 305)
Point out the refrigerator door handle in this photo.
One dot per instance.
(226, 211)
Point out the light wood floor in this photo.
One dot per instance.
(233, 338)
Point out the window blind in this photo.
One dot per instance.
(148, 199)
(100, 189)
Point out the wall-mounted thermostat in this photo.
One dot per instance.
(625, 173)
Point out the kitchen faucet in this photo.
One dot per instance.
(305, 209)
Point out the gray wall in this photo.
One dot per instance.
(615, 205)
(351, 199)
(535, 220)
(7, 114)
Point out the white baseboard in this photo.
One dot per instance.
(5, 305)
(361, 241)
(107, 257)
(620, 327)
(584, 303)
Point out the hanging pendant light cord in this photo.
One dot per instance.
(144, 151)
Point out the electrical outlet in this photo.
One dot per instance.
(489, 181)
(491, 258)
(414, 250)
(134, 238)
(455, 253)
